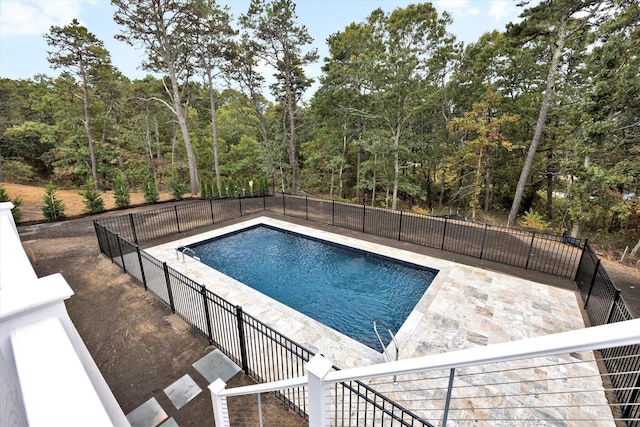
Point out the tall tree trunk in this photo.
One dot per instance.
(396, 167)
(182, 122)
(542, 117)
(487, 185)
(87, 129)
(549, 206)
(293, 157)
(340, 173)
(214, 128)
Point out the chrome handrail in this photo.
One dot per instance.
(186, 249)
(393, 339)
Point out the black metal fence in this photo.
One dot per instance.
(535, 251)
(604, 304)
(262, 352)
(254, 345)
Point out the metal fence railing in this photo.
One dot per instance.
(263, 353)
(535, 251)
(223, 324)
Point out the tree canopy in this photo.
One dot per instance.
(543, 117)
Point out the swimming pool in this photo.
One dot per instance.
(341, 287)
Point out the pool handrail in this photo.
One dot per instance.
(393, 339)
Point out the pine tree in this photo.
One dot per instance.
(150, 191)
(93, 202)
(15, 212)
(121, 191)
(53, 208)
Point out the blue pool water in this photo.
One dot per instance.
(341, 287)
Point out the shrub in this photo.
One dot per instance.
(533, 220)
(178, 188)
(53, 208)
(228, 191)
(15, 212)
(150, 191)
(215, 191)
(93, 202)
(205, 189)
(121, 191)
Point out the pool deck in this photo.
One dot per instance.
(464, 307)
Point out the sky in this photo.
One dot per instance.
(23, 51)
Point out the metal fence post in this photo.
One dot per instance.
(444, 233)
(264, 202)
(106, 235)
(124, 267)
(400, 227)
(240, 204)
(203, 291)
(144, 278)
(484, 239)
(213, 221)
(175, 208)
(169, 292)
(133, 229)
(241, 337)
(364, 214)
(284, 205)
(445, 416)
(584, 249)
(533, 236)
(593, 281)
(95, 227)
(333, 212)
(613, 305)
(306, 207)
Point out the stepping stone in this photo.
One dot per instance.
(149, 414)
(182, 391)
(169, 423)
(216, 365)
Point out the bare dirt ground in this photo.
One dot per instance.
(73, 201)
(138, 345)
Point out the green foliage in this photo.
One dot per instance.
(215, 191)
(17, 202)
(205, 188)
(264, 185)
(533, 220)
(93, 202)
(177, 187)
(150, 191)
(121, 191)
(15, 170)
(230, 188)
(53, 208)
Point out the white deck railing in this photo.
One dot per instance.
(47, 375)
(557, 379)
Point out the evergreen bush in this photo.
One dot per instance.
(239, 188)
(150, 191)
(177, 187)
(53, 208)
(93, 202)
(15, 212)
(121, 191)
(205, 189)
(215, 191)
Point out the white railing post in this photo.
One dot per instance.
(319, 391)
(220, 410)
(5, 210)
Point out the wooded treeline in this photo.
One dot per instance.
(542, 119)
